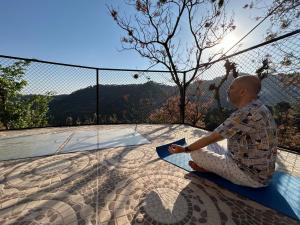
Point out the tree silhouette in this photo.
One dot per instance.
(229, 67)
(158, 31)
(284, 14)
(284, 17)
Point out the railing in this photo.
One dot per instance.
(35, 93)
(277, 63)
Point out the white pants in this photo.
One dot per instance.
(214, 158)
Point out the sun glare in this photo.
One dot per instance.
(228, 41)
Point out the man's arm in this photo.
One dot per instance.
(204, 141)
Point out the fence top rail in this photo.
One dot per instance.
(157, 71)
(46, 62)
(80, 66)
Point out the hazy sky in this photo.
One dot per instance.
(82, 32)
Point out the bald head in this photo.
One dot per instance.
(251, 83)
(243, 90)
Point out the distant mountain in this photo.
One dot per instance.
(133, 103)
(125, 102)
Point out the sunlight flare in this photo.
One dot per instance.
(228, 41)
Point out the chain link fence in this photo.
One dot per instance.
(277, 63)
(36, 93)
(132, 96)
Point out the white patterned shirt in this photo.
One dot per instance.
(252, 140)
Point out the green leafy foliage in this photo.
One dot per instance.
(16, 110)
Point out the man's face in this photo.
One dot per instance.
(234, 93)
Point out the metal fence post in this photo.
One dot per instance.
(97, 95)
(184, 95)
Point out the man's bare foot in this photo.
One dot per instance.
(194, 166)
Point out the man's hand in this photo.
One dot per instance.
(201, 143)
(176, 149)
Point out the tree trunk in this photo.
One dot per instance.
(221, 115)
(182, 90)
(217, 97)
(182, 104)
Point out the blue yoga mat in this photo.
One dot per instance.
(282, 195)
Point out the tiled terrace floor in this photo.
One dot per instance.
(124, 185)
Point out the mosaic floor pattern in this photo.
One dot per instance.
(123, 185)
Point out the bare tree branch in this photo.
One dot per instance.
(157, 32)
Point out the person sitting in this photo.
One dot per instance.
(251, 135)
